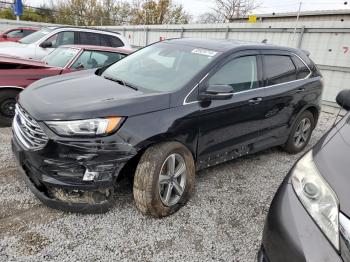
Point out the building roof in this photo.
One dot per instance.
(303, 13)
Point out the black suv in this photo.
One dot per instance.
(159, 115)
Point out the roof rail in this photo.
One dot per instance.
(86, 27)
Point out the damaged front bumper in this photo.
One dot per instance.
(75, 176)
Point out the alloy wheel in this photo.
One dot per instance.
(7, 107)
(172, 179)
(302, 133)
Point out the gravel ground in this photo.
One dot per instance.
(222, 222)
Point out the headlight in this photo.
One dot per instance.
(317, 197)
(90, 127)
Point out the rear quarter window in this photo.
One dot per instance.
(115, 41)
(279, 69)
(302, 70)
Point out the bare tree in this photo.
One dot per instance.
(229, 10)
(210, 18)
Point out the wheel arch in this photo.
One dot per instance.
(315, 112)
(16, 88)
(129, 168)
(314, 109)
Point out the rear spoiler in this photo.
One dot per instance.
(307, 53)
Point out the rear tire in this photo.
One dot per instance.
(300, 133)
(7, 107)
(163, 168)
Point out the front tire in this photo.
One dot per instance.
(164, 179)
(300, 133)
(7, 107)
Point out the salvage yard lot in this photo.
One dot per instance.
(222, 222)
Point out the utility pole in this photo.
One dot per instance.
(296, 22)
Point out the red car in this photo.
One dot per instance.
(16, 34)
(17, 73)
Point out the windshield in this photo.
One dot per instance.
(161, 67)
(61, 56)
(32, 38)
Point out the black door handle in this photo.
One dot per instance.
(300, 90)
(255, 101)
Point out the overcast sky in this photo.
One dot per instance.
(196, 7)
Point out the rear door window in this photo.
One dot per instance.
(302, 70)
(86, 38)
(104, 40)
(279, 69)
(240, 73)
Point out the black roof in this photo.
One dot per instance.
(224, 45)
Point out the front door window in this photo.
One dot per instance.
(62, 38)
(240, 73)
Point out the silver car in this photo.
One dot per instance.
(43, 42)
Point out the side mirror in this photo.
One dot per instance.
(80, 67)
(216, 92)
(4, 36)
(46, 44)
(343, 99)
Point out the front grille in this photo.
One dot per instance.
(28, 131)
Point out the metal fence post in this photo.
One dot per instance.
(124, 31)
(301, 35)
(227, 32)
(182, 32)
(146, 33)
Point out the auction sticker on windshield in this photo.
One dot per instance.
(205, 52)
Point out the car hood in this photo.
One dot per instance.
(332, 158)
(84, 95)
(14, 49)
(11, 44)
(5, 59)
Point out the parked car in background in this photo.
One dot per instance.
(16, 73)
(15, 34)
(43, 42)
(309, 218)
(160, 114)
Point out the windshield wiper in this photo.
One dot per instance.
(122, 82)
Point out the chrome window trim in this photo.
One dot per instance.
(246, 91)
(78, 30)
(185, 100)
